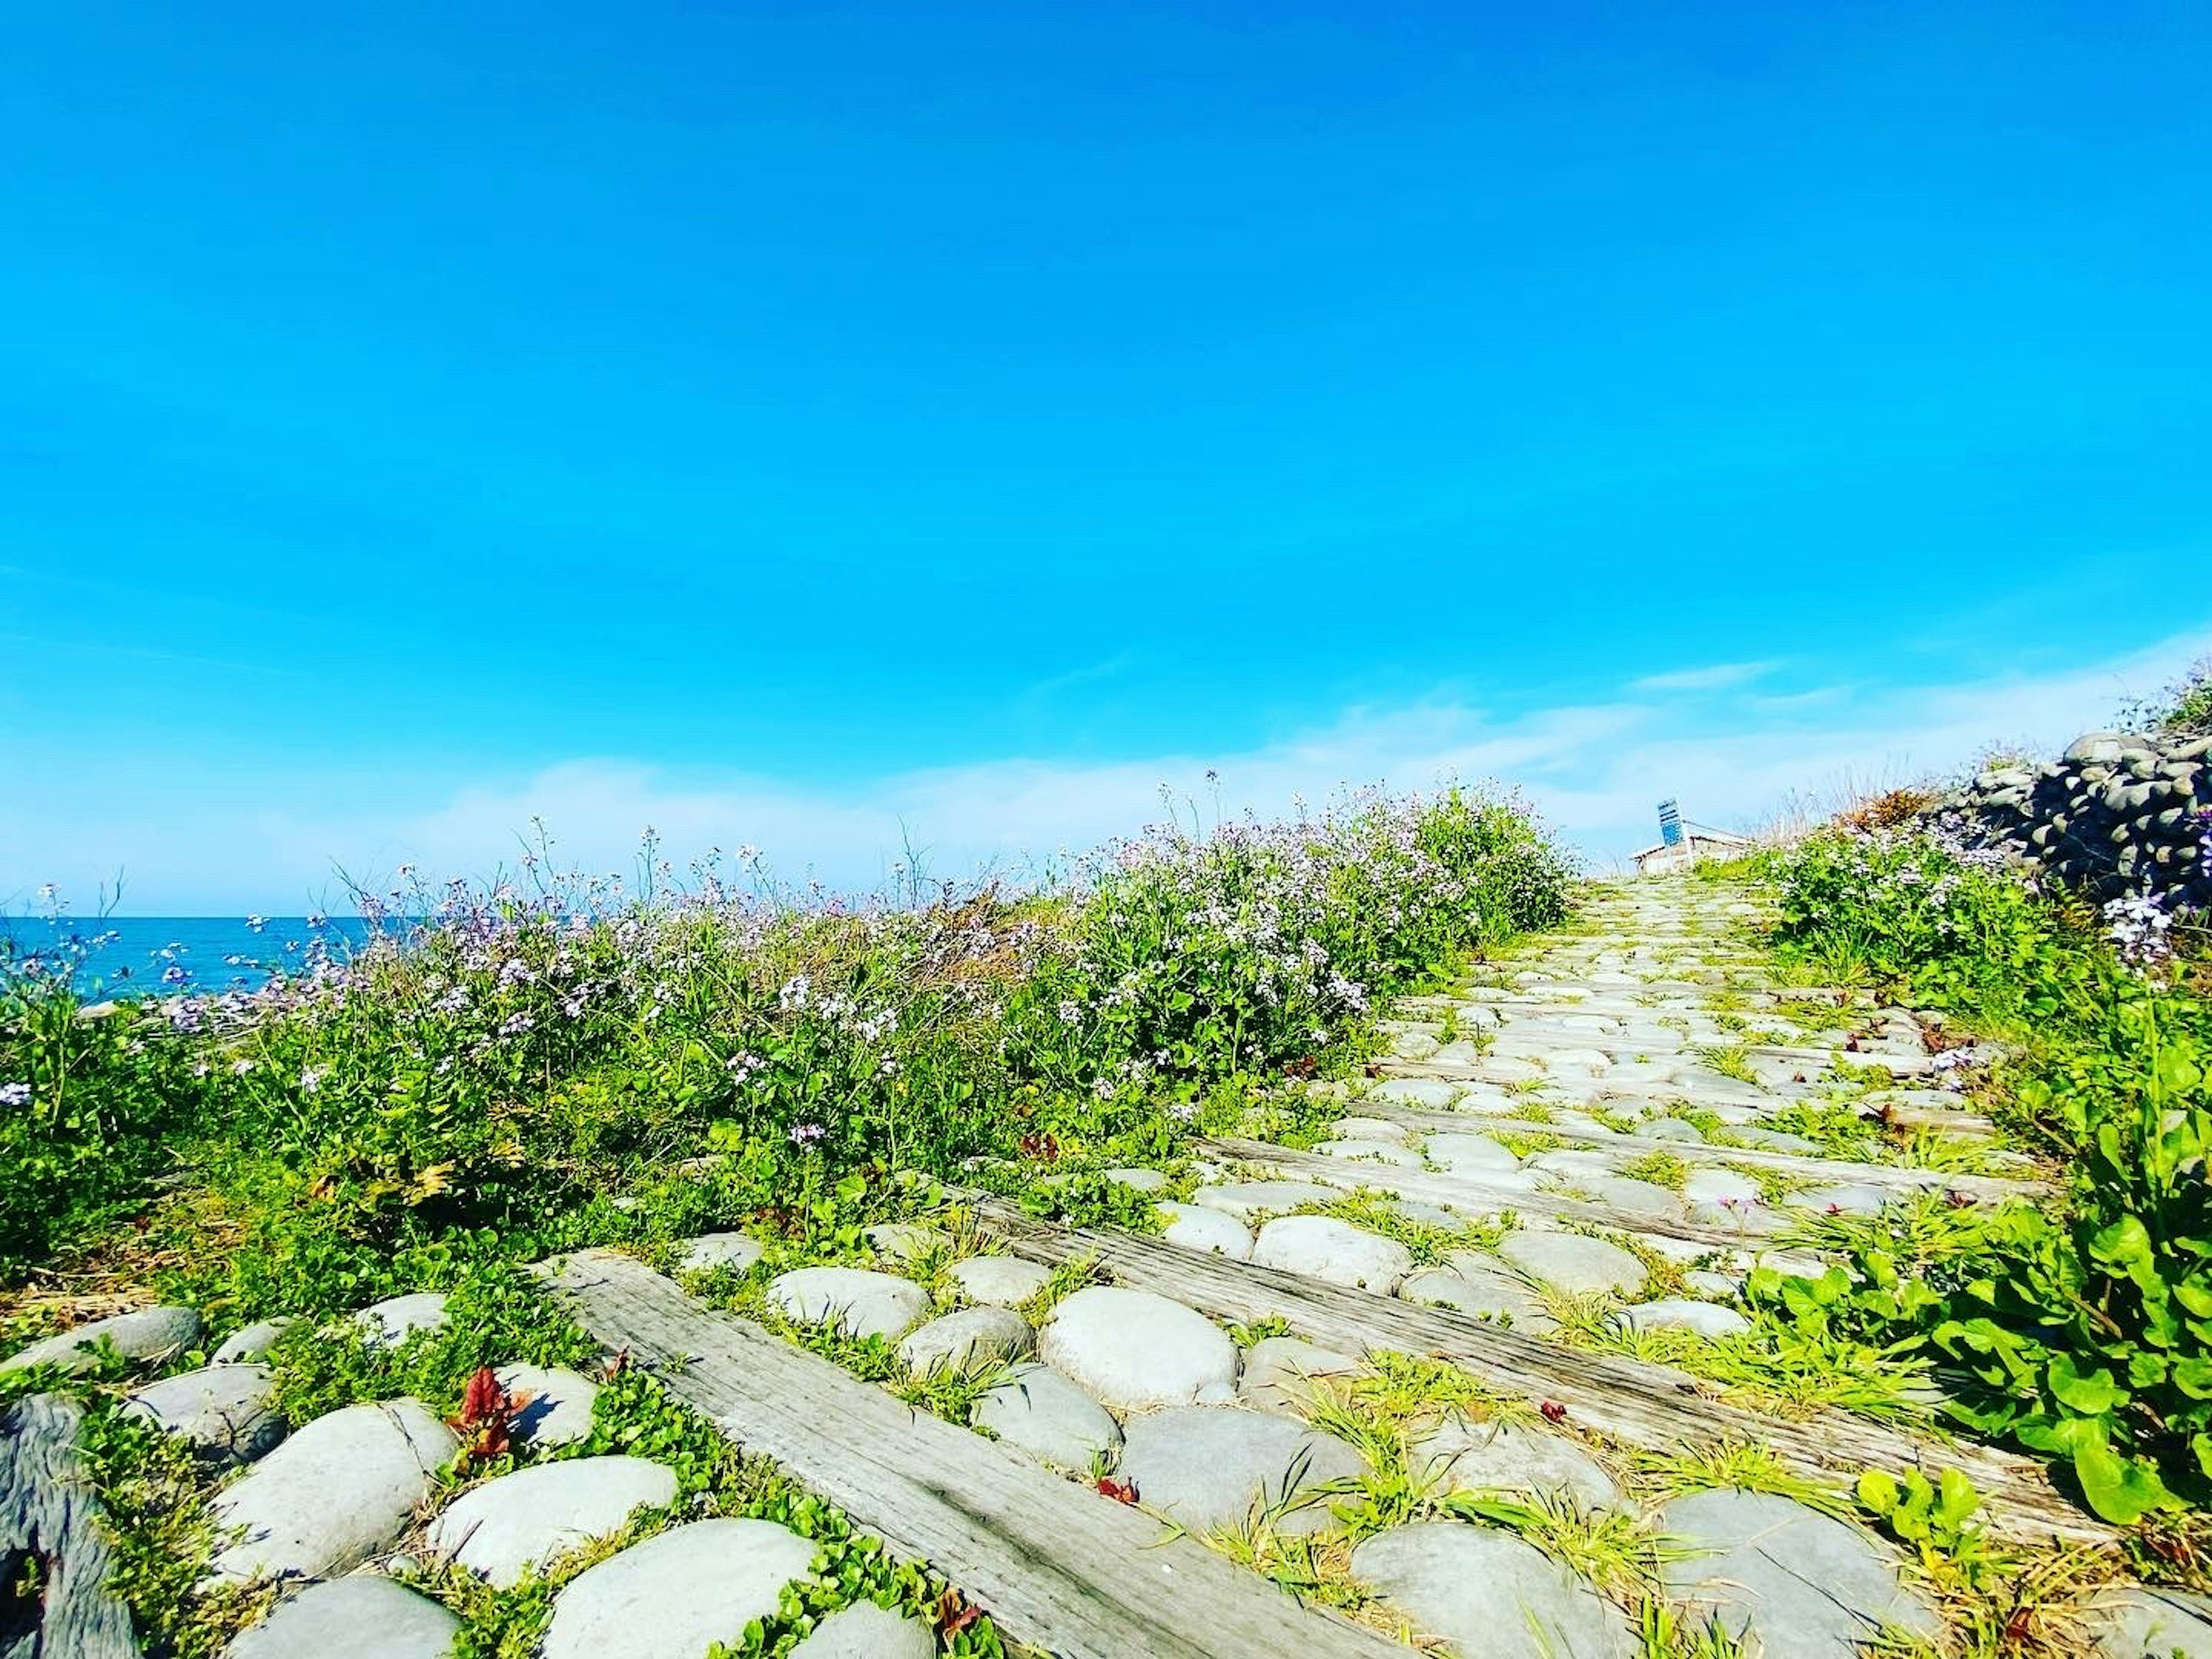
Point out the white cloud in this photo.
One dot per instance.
(1596, 769)
(1717, 677)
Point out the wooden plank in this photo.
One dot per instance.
(1458, 1190)
(1643, 1405)
(1902, 1177)
(1583, 1091)
(1057, 1566)
(48, 1510)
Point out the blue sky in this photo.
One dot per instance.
(795, 424)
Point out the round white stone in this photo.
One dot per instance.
(1796, 1581)
(1132, 1349)
(1462, 1456)
(672, 1596)
(224, 1412)
(1142, 1181)
(865, 1631)
(1371, 1152)
(1705, 1318)
(365, 1617)
(1492, 1593)
(557, 1403)
(1000, 1281)
(1207, 1466)
(151, 1334)
(506, 1528)
(1469, 1155)
(1476, 1284)
(1280, 1373)
(252, 1343)
(860, 1303)
(1322, 1247)
(387, 1324)
(1369, 1128)
(711, 1250)
(1199, 1227)
(1721, 1187)
(1573, 1263)
(973, 1339)
(337, 1492)
(1243, 1199)
(1038, 1411)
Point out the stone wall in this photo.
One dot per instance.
(2116, 813)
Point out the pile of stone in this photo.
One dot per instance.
(2117, 813)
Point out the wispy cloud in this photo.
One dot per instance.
(1718, 676)
(1594, 769)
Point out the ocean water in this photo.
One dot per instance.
(161, 955)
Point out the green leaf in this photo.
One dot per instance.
(2122, 1490)
(1878, 1491)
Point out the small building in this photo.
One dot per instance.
(1682, 845)
(1694, 845)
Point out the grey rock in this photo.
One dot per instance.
(1369, 1128)
(1670, 1128)
(2153, 1624)
(520, 1522)
(389, 1323)
(1707, 1282)
(1573, 1263)
(1132, 1349)
(901, 1241)
(362, 1618)
(1279, 1372)
(224, 1412)
(1245, 1199)
(1773, 1140)
(255, 1342)
(672, 1596)
(1322, 1247)
(1628, 1194)
(1142, 1181)
(1035, 1408)
(1704, 1318)
(148, 1336)
(1490, 1595)
(1496, 1457)
(1205, 1467)
(1721, 1187)
(1000, 1281)
(865, 1631)
(972, 1340)
(1373, 1152)
(1796, 1581)
(1201, 1227)
(557, 1402)
(1468, 1154)
(711, 1250)
(1477, 1285)
(1851, 1198)
(857, 1302)
(337, 1492)
(1418, 1090)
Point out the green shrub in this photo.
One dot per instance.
(2087, 1332)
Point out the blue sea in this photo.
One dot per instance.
(163, 956)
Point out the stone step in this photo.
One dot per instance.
(1899, 1176)
(1639, 1404)
(1055, 1565)
(1470, 1193)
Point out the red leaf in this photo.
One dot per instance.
(1121, 1492)
(955, 1613)
(1554, 1412)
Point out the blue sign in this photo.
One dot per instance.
(1670, 824)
